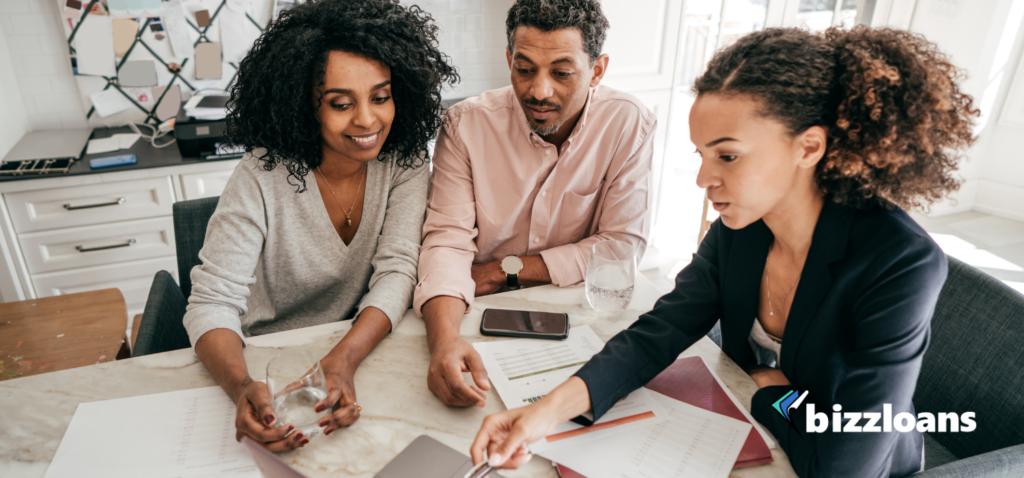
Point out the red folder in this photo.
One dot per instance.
(689, 380)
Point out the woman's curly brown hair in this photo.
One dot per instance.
(896, 119)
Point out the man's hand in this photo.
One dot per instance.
(767, 376)
(449, 359)
(488, 277)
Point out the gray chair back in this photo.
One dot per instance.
(976, 361)
(190, 221)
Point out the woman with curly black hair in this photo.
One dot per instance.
(321, 220)
(811, 147)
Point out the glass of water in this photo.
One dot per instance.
(611, 274)
(296, 382)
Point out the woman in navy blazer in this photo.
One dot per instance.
(811, 146)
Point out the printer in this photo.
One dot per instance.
(199, 127)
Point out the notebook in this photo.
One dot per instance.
(689, 380)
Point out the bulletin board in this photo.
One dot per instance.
(233, 25)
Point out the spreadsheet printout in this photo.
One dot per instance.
(689, 442)
(186, 434)
(524, 370)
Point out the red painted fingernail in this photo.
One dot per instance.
(327, 432)
(291, 427)
(303, 443)
(319, 409)
(269, 419)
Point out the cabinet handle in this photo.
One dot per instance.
(69, 207)
(103, 248)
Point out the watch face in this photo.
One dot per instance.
(511, 265)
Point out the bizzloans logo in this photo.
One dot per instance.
(868, 422)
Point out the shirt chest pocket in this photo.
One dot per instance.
(576, 215)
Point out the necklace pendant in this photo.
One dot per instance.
(348, 222)
(771, 313)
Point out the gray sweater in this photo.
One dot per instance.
(272, 260)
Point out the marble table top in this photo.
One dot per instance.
(391, 386)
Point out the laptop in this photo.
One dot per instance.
(54, 144)
(425, 457)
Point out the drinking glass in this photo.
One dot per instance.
(611, 274)
(296, 382)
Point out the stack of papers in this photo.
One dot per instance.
(645, 434)
(113, 143)
(209, 107)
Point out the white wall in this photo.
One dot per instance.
(12, 126)
(12, 119)
(473, 34)
(984, 38)
(40, 62)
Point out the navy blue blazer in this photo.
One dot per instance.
(857, 330)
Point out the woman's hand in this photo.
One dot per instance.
(341, 395)
(255, 418)
(505, 435)
(766, 376)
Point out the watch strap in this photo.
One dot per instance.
(512, 280)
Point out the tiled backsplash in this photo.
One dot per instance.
(473, 34)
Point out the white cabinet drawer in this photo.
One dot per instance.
(206, 184)
(133, 278)
(98, 245)
(90, 204)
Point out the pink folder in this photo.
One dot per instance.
(689, 380)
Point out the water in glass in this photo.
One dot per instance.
(297, 384)
(611, 274)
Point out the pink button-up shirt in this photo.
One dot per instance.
(500, 189)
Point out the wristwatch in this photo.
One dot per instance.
(511, 266)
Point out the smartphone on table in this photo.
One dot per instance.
(527, 324)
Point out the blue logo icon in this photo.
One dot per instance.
(789, 401)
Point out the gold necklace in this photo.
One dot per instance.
(348, 215)
(768, 286)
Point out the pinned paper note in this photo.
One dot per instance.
(109, 102)
(138, 73)
(124, 35)
(209, 62)
(171, 102)
(177, 29)
(134, 8)
(94, 46)
(240, 6)
(140, 95)
(73, 9)
(237, 34)
(203, 18)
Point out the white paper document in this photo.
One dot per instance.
(94, 46)
(103, 145)
(183, 434)
(109, 102)
(177, 29)
(689, 442)
(524, 370)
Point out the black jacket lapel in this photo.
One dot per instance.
(741, 285)
(828, 245)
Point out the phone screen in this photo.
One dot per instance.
(525, 321)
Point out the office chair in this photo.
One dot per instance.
(162, 329)
(975, 363)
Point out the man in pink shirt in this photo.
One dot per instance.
(527, 178)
